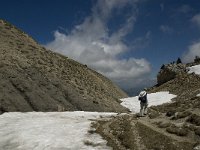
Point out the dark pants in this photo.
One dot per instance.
(143, 108)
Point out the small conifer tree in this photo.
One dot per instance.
(162, 67)
(197, 59)
(178, 61)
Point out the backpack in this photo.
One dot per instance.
(143, 97)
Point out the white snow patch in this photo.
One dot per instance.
(198, 95)
(61, 130)
(157, 98)
(195, 69)
(50, 131)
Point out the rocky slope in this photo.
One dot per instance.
(33, 78)
(169, 72)
(171, 126)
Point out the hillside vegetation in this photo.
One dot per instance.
(33, 78)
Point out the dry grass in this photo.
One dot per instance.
(41, 80)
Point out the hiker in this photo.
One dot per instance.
(143, 102)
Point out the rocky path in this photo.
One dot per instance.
(138, 139)
(129, 132)
(104, 128)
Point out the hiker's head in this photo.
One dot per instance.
(143, 93)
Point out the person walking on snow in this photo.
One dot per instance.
(143, 102)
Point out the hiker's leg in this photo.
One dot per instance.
(141, 109)
(145, 108)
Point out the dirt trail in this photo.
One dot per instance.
(129, 132)
(103, 127)
(138, 142)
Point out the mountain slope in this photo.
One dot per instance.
(33, 78)
(174, 125)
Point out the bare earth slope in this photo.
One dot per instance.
(171, 126)
(33, 78)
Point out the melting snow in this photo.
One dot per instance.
(61, 130)
(50, 131)
(195, 69)
(158, 98)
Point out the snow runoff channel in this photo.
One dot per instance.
(157, 98)
(61, 130)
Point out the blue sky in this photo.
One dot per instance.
(126, 40)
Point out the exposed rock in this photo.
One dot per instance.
(194, 119)
(197, 147)
(180, 115)
(33, 78)
(153, 114)
(195, 62)
(170, 113)
(169, 72)
(177, 130)
(164, 124)
(197, 131)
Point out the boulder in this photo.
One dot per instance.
(169, 72)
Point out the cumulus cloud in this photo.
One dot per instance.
(184, 9)
(193, 50)
(141, 42)
(166, 29)
(92, 43)
(196, 19)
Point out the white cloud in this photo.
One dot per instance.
(92, 43)
(166, 29)
(162, 7)
(103, 9)
(141, 42)
(193, 50)
(184, 9)
(196, 19)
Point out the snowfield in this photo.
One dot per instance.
(50, 131)
(195, 69)
(157, 98)
(61, 130)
